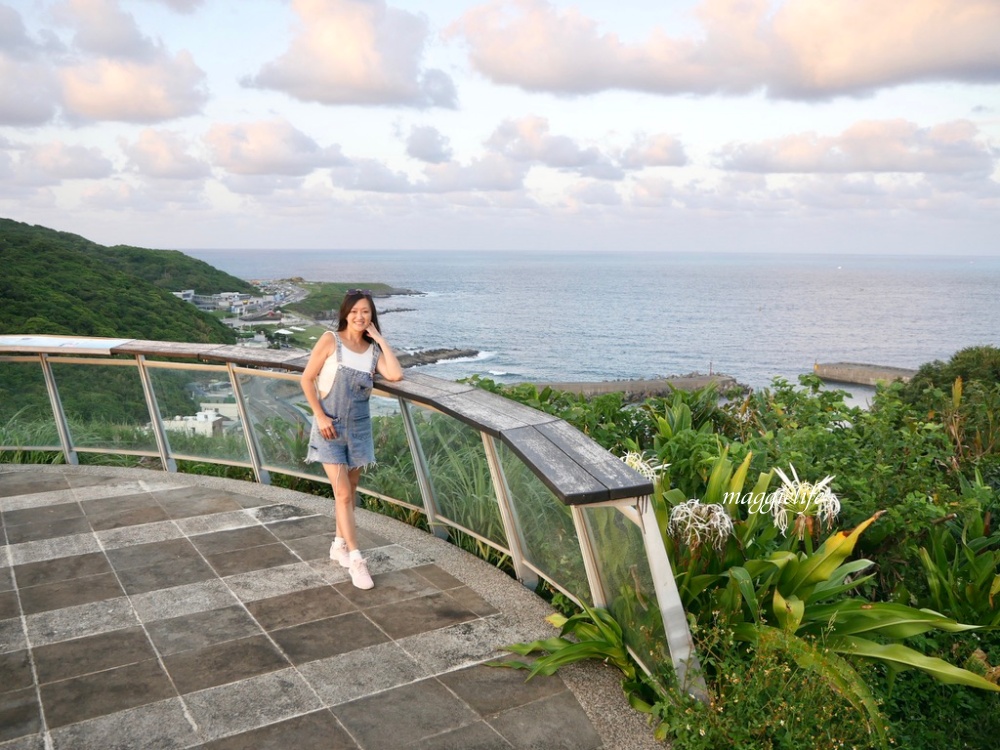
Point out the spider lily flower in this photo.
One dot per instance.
(637, 461)
(805, 502)
(695, 524)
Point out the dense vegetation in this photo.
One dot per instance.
(811, 637)
(325, 297)
(60, 283)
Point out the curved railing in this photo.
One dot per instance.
(519, 480)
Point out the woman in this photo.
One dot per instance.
(337, 383)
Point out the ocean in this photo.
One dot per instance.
(595, 316)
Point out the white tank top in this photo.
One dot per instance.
(354, 360)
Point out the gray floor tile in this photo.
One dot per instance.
(468, 599)
(146, 533)
(142, 580)
(296, 528)
(438, 577)
(394, 586)
(492, 690)
(44, 514)
(361, 672)
(94, 653)
(320, 639)
(12, 635)
(23, 483)
(318, 730)
(50, 549)
(311, 547)
(71, 593)
(380, 721)
(61, 569)
(126, 517)
(9, 606)
(15, 671)
(162, 725)
(103, 693)
(262, 584)
(419, 615)
(187, 599)
(229, 540)
(19, 714)
(478, 736)
(249, 704)
(165, 553)
(253, 558)
(195, 631)
(554, 723)
(32, 532)
(118, 503)
(222, 663)
(280, 512)
(76, 622)
(298, 607)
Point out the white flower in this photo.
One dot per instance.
(695, 524)
(637, 461)
(805, 501)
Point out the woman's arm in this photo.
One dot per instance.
(387, 366)
(321, 351)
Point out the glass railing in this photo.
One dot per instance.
(518, 480)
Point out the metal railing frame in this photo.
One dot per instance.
(638, 510)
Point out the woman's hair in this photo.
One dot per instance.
(352, 298)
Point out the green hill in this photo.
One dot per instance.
(61, 283)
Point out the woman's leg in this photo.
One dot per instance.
(345, 487)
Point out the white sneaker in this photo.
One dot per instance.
(340, 553)
(360, 576)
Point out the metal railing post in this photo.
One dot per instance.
(421, 470)
(62, 427)
(155, 420)
(252, 448)
(508, 514)
(597, 592)
(675, 624)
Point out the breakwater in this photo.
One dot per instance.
(861, 374)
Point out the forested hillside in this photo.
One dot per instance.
(60, 283)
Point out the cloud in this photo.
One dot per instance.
(128, 91)
(797, 49)
(870, 146)
(29, 89)
(163, 154)
(46, 164)
(268, 148)
(491, 173)
(357, 52)
(110, 71)
(104, 29)
(593, 193)
(654, 151)
(427, 144)
(183, 6)
(528, 140)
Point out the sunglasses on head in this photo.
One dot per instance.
(364, 292)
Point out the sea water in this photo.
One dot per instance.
(562, 316)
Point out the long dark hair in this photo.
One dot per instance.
(352, 298)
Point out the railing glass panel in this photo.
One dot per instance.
(393, 477)
(186, 396)
(25, 410)
(279, 414)
(628, 583)
(105, 406)
(548, 536)
(460, 474)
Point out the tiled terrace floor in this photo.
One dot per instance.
(147, 610)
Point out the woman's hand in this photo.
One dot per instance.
(372, 331)
(325, 426)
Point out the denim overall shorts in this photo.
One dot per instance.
(347, 405)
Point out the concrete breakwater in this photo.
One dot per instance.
(861, 374)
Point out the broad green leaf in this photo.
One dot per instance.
(788, 611)
(902, 657)
(821, 564)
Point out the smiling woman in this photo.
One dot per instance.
(504, 123)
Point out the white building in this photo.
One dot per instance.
(207, 423)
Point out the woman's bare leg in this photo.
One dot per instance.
(345, 487)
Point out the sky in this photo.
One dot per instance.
(795, 126)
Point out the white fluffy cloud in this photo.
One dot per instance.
(108, 71)
(488, 174)
(357, 52)
(872, 146)
(661, 150)
(46, 164)
(792, 49)
(528, 140)
(268, 148)
(163, 154)
(428, 144)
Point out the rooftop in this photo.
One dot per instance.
(143, 609)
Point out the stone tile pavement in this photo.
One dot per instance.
(141, 609)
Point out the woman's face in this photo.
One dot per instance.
(360, 316)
